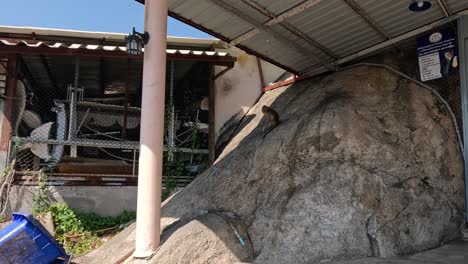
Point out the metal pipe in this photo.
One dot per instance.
(102, 144)
(152, 131)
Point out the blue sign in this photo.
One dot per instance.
(437, 54)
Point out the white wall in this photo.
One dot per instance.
(271, 72)
(238, 89)
(102, 200)
(3, 153)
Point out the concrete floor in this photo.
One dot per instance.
(455, 252)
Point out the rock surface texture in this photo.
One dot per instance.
(363, 164)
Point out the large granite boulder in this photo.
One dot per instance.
(364, 163)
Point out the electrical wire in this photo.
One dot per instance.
(115, 156)
(100, 133)
(9, 97)
(108, 153)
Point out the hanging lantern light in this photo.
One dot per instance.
(135, 42)
(419, 5)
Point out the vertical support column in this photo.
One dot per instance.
(171, 128)
(152, 131)
(211, 116)
(72, 108)
(463, 52)
(12, 65)
(125, 115)
(260, 74)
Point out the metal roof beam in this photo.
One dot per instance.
(225, 39)
(275, 19)
(293, 11)
(443, 5)
(289, 27)
(369, 20)
(380, 46)
(50, 75)
(304, 50)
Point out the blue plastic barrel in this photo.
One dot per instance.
(26, 241)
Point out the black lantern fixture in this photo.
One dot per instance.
(135, 42)
(419, 5)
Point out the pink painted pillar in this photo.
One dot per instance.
(152, 130)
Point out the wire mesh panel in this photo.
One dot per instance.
(448, 86)
(81, 124)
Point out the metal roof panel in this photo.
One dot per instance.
(395, 17)
(209, 15)
(335, 27)
(456, 5)
(278, 7)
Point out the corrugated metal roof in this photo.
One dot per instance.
(310, 32)
(38, 44)
(50, 34)
(388, 14)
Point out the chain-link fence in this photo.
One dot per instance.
(448, 86)
(403, 58)
(82, 137)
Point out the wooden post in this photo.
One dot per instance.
(12, 67)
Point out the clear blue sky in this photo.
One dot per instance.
(91, 15)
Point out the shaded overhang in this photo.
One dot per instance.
(105, 45)
(312, 36)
